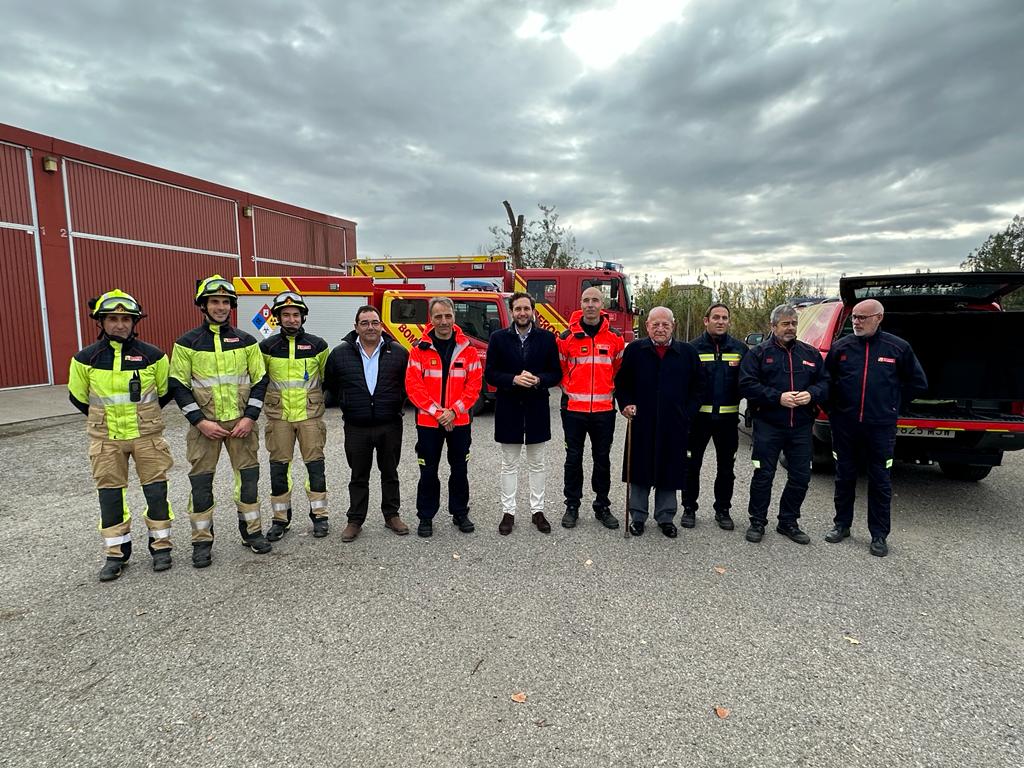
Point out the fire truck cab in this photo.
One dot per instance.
(555, 291)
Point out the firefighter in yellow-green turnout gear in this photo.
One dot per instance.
(218, 379)
(295, 362)
(120, 384)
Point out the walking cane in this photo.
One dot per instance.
(629, 464)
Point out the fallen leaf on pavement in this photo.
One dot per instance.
(720, 570)
(851, 640)
(455, 556)
(722, 712)
(519, 697)
(589, 562)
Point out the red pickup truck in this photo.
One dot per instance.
(969, 347)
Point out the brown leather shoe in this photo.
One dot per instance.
(395, 524)
(541, 522)
(505, 526)
(351, 531)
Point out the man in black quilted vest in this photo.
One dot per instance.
(365, 376)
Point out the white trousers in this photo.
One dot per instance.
(510, 456)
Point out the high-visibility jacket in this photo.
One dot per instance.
(589, 365)
(217, 373)
(720, 370)
(295, 366)
(100, 386)
(423, 379)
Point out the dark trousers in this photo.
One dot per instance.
(601, 429)
(769, 442)
(725, 434)
(429, 443)
(360, 443)
(869, 445)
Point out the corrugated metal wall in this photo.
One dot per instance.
(107, 204)
(15, 201)
(19, 273)
(163, 281)
(25, 363)
(114, 204)
(296, 240)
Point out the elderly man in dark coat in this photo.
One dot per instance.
(658, 388)
(522, 364)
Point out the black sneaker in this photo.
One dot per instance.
(755, 533)
(688, 519)
(162, 560)
(425, 529)
(111, 570)
(669, 529)
(258, 544)
(464, 524)
(793, 533)
(570, 517)
(201, 554)
(837, 534)
(878, 547)
(606, 518)
(320, 528)
(636, 528)
(277, 531)
(724, 521)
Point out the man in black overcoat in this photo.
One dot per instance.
(658, 388)
(522, 364)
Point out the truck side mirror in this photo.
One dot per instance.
(753, 339)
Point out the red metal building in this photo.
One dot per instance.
(75, 222)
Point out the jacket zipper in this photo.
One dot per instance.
(864, 380)
(792, 385)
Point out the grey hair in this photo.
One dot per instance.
(781, 311)
(440, 300)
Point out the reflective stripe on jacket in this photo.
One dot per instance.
(295, 367)
(423, 379)
(100, 384)
(217, 373)
(589, 365)
(720, 370)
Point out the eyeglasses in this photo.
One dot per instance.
(660, 325)
(368, 324)
(862, 318)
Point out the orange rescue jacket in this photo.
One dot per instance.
(589, 365)
(423, 379)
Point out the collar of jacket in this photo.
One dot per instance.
(777, 343)
(426, 342)
(218, 328)
(576, 322)
(298, 336)
(865, 339)
(648, 343)
(707, 337)
(512, 329)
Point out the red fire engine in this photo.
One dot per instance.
(556, 291)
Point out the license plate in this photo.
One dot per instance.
(925, 432)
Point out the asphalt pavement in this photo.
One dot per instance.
(399, 651)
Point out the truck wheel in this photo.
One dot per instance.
(970, 473)
(821, 457)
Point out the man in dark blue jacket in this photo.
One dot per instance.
(870, 373)
(718, 418)
(365, 376)
(522, 364)
(783, 382)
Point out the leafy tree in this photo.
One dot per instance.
(540, 242)
(1002, 252)
(750, 304)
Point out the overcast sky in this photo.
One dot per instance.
(732, 138)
